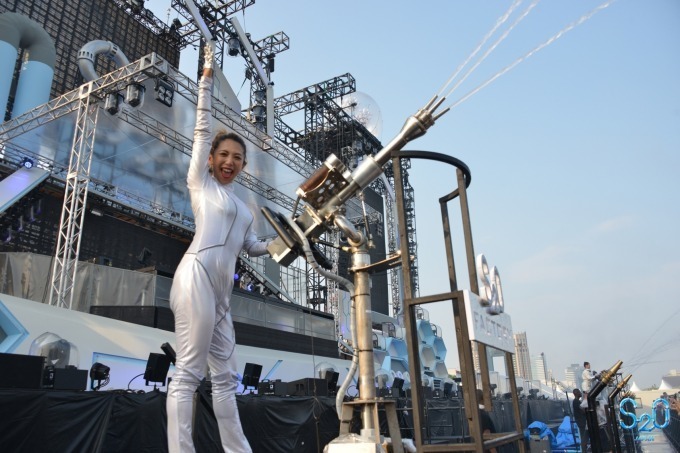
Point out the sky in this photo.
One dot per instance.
(574, 154)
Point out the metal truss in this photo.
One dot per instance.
(271, 45)
(75, 199)
(149, 66)
(214, 14)
(332, 88)
(147, 18)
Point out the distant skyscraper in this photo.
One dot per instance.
(540, 368)
(572, 375)
(521, 358)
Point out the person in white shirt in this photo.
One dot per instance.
(588, 375)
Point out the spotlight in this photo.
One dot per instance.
(270, 63)
(134, 94)
(448, 387)
(331, 377)
(259, 112)
(157, 367)
(164, 92)
(167, 349)
(27, 162)
(99, 372)
(176, 25)
(143, 256)
(233, 46)
(112, 103)
(397, 387)
(137, 6)
(96, 211)
(251, 376)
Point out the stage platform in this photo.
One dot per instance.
(119, 421)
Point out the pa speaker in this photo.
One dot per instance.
(21, 371)
(157, 368)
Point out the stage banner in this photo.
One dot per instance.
(493, 330)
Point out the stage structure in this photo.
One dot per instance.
(167, 212)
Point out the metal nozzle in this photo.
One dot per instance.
(607, 375)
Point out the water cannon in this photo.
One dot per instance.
(331, 186)
(591, 416)
(612, 410)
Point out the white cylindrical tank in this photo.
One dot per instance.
(37, 69)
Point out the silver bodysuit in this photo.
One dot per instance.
(201, 292)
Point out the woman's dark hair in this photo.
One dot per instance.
(224, 135)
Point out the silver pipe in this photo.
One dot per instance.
(349, 286)
(88, 53)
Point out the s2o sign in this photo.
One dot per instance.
(490, 289)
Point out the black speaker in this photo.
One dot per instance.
(276, 388)
(308, 387)
(21, 371)
(64, 378)
(156, 368)
(149, 316)
(251, 375)
(165, 319)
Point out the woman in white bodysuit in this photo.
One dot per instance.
(202, 286)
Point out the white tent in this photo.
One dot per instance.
(634, 388)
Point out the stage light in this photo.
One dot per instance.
(448, 387)
(260, 96)
(270, 63)
(397, 386)
(137, 5)
(176, 25)
(99, 372)
(134, 94)
(157, 367)
(167, 349)
(233, 46)
(259, 112)
(27, 162)
(165, 91)
(96, 211)
(112, 103)
(251, 376)
(144, 256)
(331, 378)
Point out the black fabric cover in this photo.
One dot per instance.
(117, 421)
(62, 421)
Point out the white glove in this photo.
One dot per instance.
(209, 55)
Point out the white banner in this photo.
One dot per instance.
(492, 330)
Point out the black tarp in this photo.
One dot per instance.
(119, 421)
(108, 422)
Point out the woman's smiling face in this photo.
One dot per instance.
(227, 161)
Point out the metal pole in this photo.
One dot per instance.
(362, 298)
